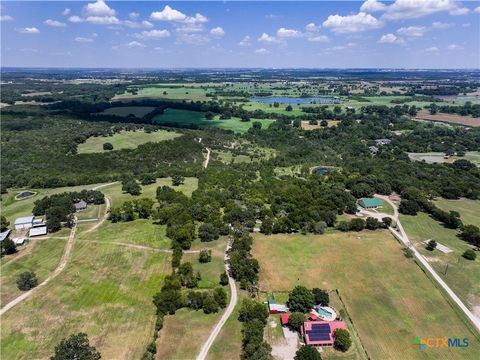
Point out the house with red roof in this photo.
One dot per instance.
(320, 333)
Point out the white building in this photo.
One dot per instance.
(25, 222)
(37, 231)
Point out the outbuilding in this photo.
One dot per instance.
(320, 333)
(370, 203)
(81, 205)
(25, 222)
(4, 234)
(38, 231)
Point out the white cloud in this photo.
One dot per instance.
(319, 38)
(75, 19)
(440, 25)
(288, 33)
(312, 27)
(262, 51)
(190, 28)
(152, 34)
(432, 49)
(83, 39)
(197, 19)
(99, 8)
(370, 6)
(341, 47)
(6, 18)
(454, 47)
(217, 32)
(477, 10)
(245, 41)
(168, 14)
(66, 11)
(135, 25)
(352, 23)
(133, 15)
(135, 44)
(412, 9)
(265, 38)
(460, 11)
(54, 23)
(192, 39)
(390, 39)
(28, 30)
(102, 20)
(412, 31)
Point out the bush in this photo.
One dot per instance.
(209, 304)
(296, 320)
(357, 224)
(27, 280)
(205, 256)
(307, 353)
(342, 340)
(8, 247)
(177, 180)
(320, 296)
(223, 279)
(408, 253)
(208, 232)
(107, 146)
(431, 245)
(470, 254)
(409, 207)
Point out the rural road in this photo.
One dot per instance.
(403, 237)
(233, 302)
(205, 163)
(63, 261)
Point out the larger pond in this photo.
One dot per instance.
(296, 100)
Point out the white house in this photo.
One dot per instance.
(25, 222)
(37, 231)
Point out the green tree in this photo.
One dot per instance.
(470, 254)
(220, 296)
(296, 320)
(223, 279)
(289, 108)
(431, 245)
(320, 296)
(307, 353)
(76, 347)
(205, 256)
(208, 232)
(107, 146)
(27, 280)
(4, 223)
(300, 299)
(8, 247)
(324, 123)
(209, 304)
(177, 180)
(342, 340)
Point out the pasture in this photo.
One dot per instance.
(389, 305)
(39, 256)
(469, 209)
(136, 111)
(187, 117)
(461, 275)
(105, 291)
(124, 140)
(438, 157)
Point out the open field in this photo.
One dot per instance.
(137, 111)
(167, 91)
(12, 208)
(105, 291)
(91, 212)
(449, 118)
(389, 305)
(39, 256)
(187, 117)
(469, 209)
(462, 275)
(125, 140)
(438, 157)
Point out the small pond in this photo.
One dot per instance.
(296, 100)
(24, 195)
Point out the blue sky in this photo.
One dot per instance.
(316, 34)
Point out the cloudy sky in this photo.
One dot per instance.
(340, 34)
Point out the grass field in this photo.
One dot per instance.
(462, 275)
(105, 291)
(167, 92)
(438, 157)
(125, 140)
(137, 111)
(39, 256)
(388, 296)
(469, 209)
(194, 117)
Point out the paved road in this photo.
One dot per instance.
(233, 302)
(403, 237)
(65, 257)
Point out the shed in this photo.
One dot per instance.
(38, 231)
(275, 308)
(19, 241)
(4, 234)
(81, 205)
(284, 319)
(25, 222)
(370, 203)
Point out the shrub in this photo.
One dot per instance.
(223, 279)
(296, 320)
(76, 347)
(205, 256)
(342, 340)
(107, 146)
(469, 254)
(307, 353)
(320, 296)
(27, 280)
(431, 245)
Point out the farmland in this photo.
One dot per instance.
(387, 310)
(137, 111)
(125, 140)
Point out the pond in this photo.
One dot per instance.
(24, 195)
(296, 100)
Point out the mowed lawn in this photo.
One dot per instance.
(105, 291)
(187, 117)
(462, 275)
(39, 256)
(124, 140)
(390, 299)
(469, 209)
